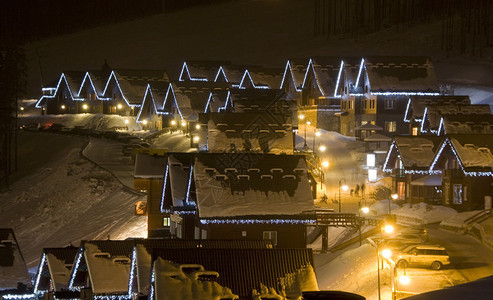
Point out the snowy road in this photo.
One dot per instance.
(354, 269)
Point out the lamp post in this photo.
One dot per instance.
(317, 133)
(306, 129)
(388, 228)
(344, 188)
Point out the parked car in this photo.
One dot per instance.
(422, 255)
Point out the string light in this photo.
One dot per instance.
(359, 72)
(406, 115)
(423, 121)
(62, 78)
(338, 78)
(40, 270)
(288, 66)
(88, 76)
(256, 221)
(310, 63)
(113, 75)
(74, 271)
(185, 67)
(189, 184)
(224, 74)
(164, 189)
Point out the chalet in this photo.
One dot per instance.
(91, 90)
(292, 79)
(466, 164)
(227, 196)
(102, 269)
(408, 161)
(261, 78)
(248, 273)
(143, 249)
(417, 107)
(54, 270)
(15, 282)
(201, 70)
(184, 101)
(259, 132)
(381, 91)
(125, 90)
(62, 96)
(465, 124)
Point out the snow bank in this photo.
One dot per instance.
(380, 208)
(457, 222)
(421, 213)
(90, 121)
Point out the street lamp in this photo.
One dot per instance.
(317, 133)
(344, 188)
(322, 148)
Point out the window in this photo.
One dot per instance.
(166, 221)
(390, 126)
(415, 130)
(457, 194)
(270, 235)
(390, 104)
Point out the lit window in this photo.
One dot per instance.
(457, 194)
(166, 221)
(390, 126)
(415, 130)
(270, 235)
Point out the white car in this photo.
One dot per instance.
(422, 255)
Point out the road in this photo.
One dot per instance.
(470, 260)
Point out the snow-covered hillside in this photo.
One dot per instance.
(65, 198)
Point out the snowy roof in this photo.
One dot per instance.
(153, 100)
(149, 166)
(246, 269)
(401, 74)
(95, 80)
(474, 150)
(180, 176)
(263, 77)
(181, 282)
(144, 248)
(417, 152)
(419, 103)
(468, 123)
(254, 131)
(377, 137)
(108, 265)
(233, 73)
(295, 71)
(12, 266)
(56, 268)
(325, 71)
(133, 82)
(242, 184)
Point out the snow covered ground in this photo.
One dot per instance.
(64, 198)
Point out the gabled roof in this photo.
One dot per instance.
(466, 124)
(326, 72)
(12, 265)
(261, 78)
(96, 81)
(149, 166)
(473, 151)
(196, 70)
(417, 104)
(246, 269)
(71, 79)
(55, 266)
(232, 73)
(294, 72)
(415, 152)
(401, 74)
(133, 83)
(240, 184)
(145, 247)
(153, 101)
(107, 263)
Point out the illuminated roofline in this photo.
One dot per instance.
(407, 111)
(208, 102)
(440, 127)
(389, 153)
(119, 88)
(359, 72)
(339, 78)
(219, 71)
(148, 90)
(62, 77)
(404, 94)
(40, 270)
(165, 181)
(314, 75)
(88, 75)
(256, 221)
(423, 120)
(170, 87)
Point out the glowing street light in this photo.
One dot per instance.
(119, 106)
(404, 279)
(322, 148)
(365, 209)
(197, 126)
(144, 122)
(386, 253)
(183, 123)
(85, 106)
(173, 122)
(126, 121)
(196, 139)
(325, 164)
(62, 107)
(388, 228)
